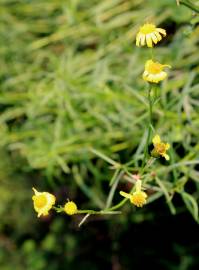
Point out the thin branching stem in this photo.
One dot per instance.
(190, 5)
(150, 124)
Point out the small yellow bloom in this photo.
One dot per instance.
(160, 148)
(154, 72)
(70, 208)
(149, 34)
(43, 202)
(138, 198)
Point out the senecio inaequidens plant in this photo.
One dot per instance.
(148, 35)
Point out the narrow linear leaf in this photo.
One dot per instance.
(191, 204)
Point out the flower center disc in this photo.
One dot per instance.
(138, 198)
(160, 148)
(147, 28)
(40, 201)
(155, 68)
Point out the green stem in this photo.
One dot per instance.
(113, 189)
(108, 211)
(190, 5)
(120, 204)
(101, 212)
(148, 164)
(166, 193)
(149, 127)
(152, 55)
(150, 107)
(112, 209)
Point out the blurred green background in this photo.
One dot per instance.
(70, 79)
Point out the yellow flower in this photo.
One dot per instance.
(154, 72)
(149, 34)
(138, 198)
(160, 148)
(70, 208)
(43, 202)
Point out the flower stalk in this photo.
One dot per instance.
(150, 125)
(189, 4)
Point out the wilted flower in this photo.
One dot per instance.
(160, 148)
(138, 198)
(154, 72)
(43, 202)
(70, 208)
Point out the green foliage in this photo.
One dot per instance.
(72, 98)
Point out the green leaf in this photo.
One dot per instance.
(191, 204)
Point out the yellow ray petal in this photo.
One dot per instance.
(154, 38)
(159, 37)
(149, 41)
(167, 146)
(126, 195)
(161, 76)
(142, 39)
(138, 38)
(156, 140)
(166, 156)
(162, 31)
(35, 191)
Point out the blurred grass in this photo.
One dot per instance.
(70, 80)
(63, 60)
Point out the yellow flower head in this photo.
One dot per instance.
(138, 198)
(70, 208)
(43, 202)
(154, 72)
(149, 34)
(160, 148)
